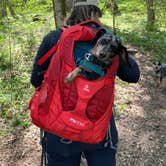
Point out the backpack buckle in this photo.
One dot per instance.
(89, 57)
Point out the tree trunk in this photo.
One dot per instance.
(11, 8)
(115, 8)
(3, 9)
(150, 15)
(69, 5)
(59, 8)
(4, 4)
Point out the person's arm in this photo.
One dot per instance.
(38, 70)
(131, 73)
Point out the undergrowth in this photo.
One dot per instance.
(19, 41)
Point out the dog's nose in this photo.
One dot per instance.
(102, 55)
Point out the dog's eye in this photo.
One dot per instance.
(103, 42)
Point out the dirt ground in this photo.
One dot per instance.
(141, 125)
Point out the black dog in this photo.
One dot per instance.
(95, 63)
(159, 71)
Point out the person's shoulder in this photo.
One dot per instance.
(54, 33)
(52, 37)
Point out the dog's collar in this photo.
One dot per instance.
(91, 63)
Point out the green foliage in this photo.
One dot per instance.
(120, 107)
(105, 5)
(19, 41)
(4, 60)
(20, 120)
(149, 41)
(32, 6)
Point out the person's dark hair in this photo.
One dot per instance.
(82, 13)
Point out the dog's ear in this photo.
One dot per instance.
(124, 56)
(159, 63)
(100, 33)
(154, 63)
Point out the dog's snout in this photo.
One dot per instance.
(102, 54)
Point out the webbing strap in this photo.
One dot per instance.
(43, 161)
(47, 55)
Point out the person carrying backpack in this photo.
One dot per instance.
(58, 151)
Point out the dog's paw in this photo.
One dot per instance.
(71, 76)
(67, 79)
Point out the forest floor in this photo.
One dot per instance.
(141, 125)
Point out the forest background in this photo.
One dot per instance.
(23, 24)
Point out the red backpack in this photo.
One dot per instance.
(80, 110)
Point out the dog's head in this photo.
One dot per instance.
(107, 47)
(157, 66)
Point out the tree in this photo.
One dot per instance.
(115, 8)
(115, 12)
(4, 4)
(150, 15)
(59, 7)
(3, 9)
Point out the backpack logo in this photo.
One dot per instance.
(86, 88)
(76, 122)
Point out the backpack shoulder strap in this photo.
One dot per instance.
(47, 55)
(50, 52)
